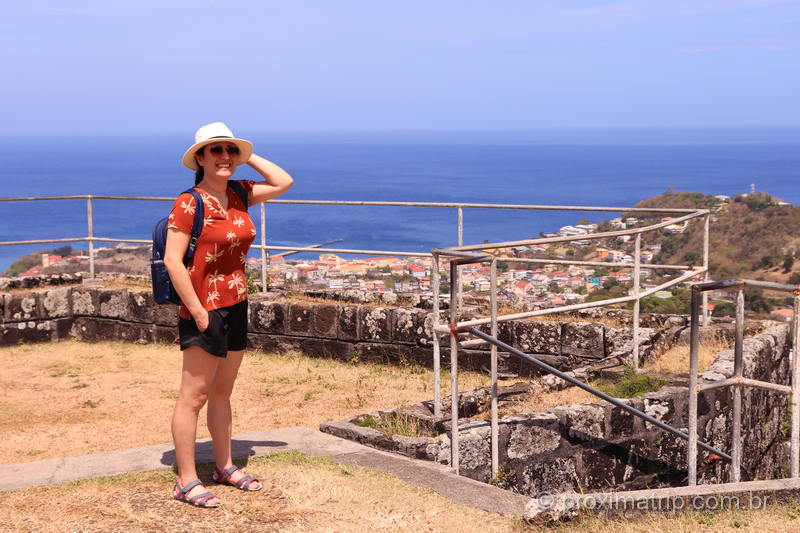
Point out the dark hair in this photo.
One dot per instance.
(198, 174)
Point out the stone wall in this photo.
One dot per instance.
(343, 330)
(598, 446)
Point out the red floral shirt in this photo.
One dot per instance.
(217, 270)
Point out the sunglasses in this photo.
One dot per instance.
(218, 149)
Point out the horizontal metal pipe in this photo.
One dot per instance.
(379, 204)
(674, 281)
(472, 342)
(538, 312)
(43, 241)
(494, 206)
(470, 260)
(732, 382)
(729, 284)
(590, 263)
(341, 251)
(588, 236)
(574, 307)
(108, 239)
(588, 388)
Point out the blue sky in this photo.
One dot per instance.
(129, 67)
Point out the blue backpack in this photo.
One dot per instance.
(163, 291)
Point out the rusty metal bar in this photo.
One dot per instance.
(588, 388)
(589, 236)
(730, 284)
(637, 258)
(706, 241)
(745, 382)
(738, 364)
(795, 405)
(575, 307)
(437, 358)
(494, 429)
(264, 255)
(380, 204)
(691, 453)
(589, 263)
(90, 234)
(454, 440)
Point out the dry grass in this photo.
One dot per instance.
(306, 493)
(536, 403)
(72, 398)
(676, 359)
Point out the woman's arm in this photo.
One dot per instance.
(177, 244)
(276, 180)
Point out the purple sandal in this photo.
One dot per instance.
(201, 500)
(224, 477)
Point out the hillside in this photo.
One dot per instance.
(751, 236)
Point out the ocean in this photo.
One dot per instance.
(568, 167)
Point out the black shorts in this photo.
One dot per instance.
(227, 330)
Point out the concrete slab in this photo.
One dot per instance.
(438, 478)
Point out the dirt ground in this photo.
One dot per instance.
(71, 398)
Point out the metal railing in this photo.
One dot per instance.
(461, 255)
(738, 381)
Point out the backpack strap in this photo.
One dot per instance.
(197, 225)
(239, 189)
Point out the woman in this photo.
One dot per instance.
(213, 292)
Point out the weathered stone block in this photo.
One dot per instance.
(414, 447)
(348, 322)
(327, 348)
(532, 434)
(582, 421)
(583, 339)
(84, 302)
(620, 423)
(141, 306)
(556, 475)
(301, 317)
(114, 303)
(368, 436)
(13, 333)
(406, 322)
(55, 303)
(133, 332)
(375, 323)
(538, 337)
(21, 307)
(165, 315)
(383, 353)
(325, 320)
(165, 334)
(269, 317)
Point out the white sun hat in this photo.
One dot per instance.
(213, 133)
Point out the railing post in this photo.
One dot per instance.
(90, 238)
(437, 358)
(736, 447)
(795, 364)
(637, 258)
(460, 243)
(706, 226)
(263, 248)
(493, 310)
(454, 452)
(691, 452)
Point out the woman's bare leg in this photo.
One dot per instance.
(219, 415)
(199, 370)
